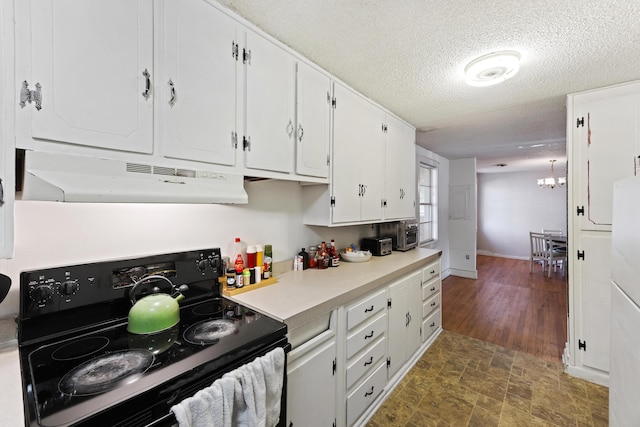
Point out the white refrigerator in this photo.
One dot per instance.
(624, 375)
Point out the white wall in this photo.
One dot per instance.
(510, 205)
(463, 217)
(49, 234)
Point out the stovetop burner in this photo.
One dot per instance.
(105, 372)
(80, 348)
(209, 331)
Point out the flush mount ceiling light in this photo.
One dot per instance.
(493, 68)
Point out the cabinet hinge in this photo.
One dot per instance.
(246, 143)
(384, 128)
(246, 56)
(580, 122)
(29, 96)
(335, 365)
(383, 203)
(580, 210)
(582, 345)
(334, 102)
(581, 255)
(234, 139)
(335, 422)
(234, 50)
(388, 362)
(1, 193)
(389, 303)
(328, 160)
(333, 201)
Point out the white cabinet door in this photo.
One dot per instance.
(400, 170)
(311, 388)
(270, 105)
(607, 137)
(198, 88)
(357, 158)
(93, 61)
(405, 318)
(313, 130)
(594, 294)
(7, 184)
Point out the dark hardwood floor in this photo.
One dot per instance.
(509, 306)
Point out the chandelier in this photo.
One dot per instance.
(552, 181)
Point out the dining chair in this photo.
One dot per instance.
(539, 250)
(557, 254)
(552, 232)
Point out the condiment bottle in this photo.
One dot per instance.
(246, 276)
(259, 256)
(323, 256)
(251, 256)
(312, 257)
(305, 259)
(231, 278)
(334, 260)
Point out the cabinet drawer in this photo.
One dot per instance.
(366, 334)
(431, 304)
(430, 288)
(366, 309)
(363, 364)
(430, 325)
(365, 394)
(430, 272)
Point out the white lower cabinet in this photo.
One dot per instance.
(384, 334)
(405, 315)
(311, 381)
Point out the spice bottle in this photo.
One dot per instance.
(268, 262)
(231, 278)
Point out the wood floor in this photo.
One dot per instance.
(509, 306)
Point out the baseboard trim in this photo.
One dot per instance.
(464, 273)
(493, 254)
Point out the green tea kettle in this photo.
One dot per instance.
(155, 312)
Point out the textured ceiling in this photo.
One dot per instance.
(409, 56)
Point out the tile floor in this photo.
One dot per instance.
(461, 381)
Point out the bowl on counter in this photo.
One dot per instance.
(360, 256)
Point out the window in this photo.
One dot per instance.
(428, 192)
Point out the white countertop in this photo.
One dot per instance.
(301, 296)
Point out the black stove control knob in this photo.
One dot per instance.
(41, 294)
(202, 264)
(69, 287)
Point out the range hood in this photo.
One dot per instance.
(70, 178)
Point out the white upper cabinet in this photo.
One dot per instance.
(358, 146)
(269, 105)
(313, 130)
(606, 137)
(400, 170)
(91, 73)
(198, 90)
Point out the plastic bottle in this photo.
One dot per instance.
(322, 256)
(312, 257)
(259, 256)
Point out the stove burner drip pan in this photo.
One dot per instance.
(105, 372)
(209, 331)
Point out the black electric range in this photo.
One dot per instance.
(80, 365)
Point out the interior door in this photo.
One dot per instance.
(93, 60)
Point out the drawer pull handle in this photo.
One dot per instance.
(369, 393)
(147, 84)
(433, 304)
(369, 362)
(366, 310)
(433, 289)
(368, 336)
(433, 272)
(432, 325)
